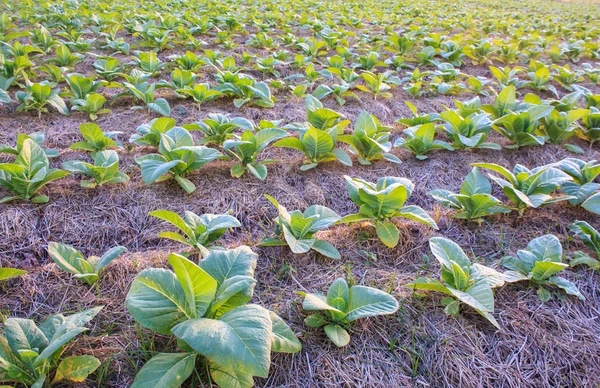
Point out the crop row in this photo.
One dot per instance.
(205, 305)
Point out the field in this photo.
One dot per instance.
(113, 114)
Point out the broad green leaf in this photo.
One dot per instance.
(198, 286)
(337, 335)
(387, 233)
(369, 302)
(283, 339)
(165, 370)
(240, 339)
(157, 300)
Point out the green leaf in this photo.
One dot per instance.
(229, 377)
(240, 339)
(543, 270)
(592, 204)
(446, 251)
(8, 273)
(165, 370)
(369, 302)
(283, 340)
(387, 233)
(337, 335)
(76, 368)
(224, 264)
(326, 249)
(198, 286)
(157, 300)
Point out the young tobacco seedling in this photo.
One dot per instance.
(37, 137)
(95, 139)
(583, 173)
(527, 188)
(462, 281)
(246, 148)
(539, 263)
(474, 200)
(87, 270)
(31, 354)
(420, 140)
(297, 229)
(178, 156)
(28, 174)
(105, 169)
(344, 305)
(370, 140)
(200, 231)
(91, 105)
(383, 201)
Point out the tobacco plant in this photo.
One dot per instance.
(31, 353)
(178, 156)
(539, 263)
(87, 270)
(297, 229)
(199, 231)
(344, 305)
(205, 307)
(462, 281)
(28, 174)
(105, 169)
(382, 202)
(474, 200)
(591, 239)
(527, 188)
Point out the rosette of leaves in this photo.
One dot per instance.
(521, 128)
(199, 231)
(206, 308)
(370, 140)
(468, 132)
(590, 126)
(144, 92)
(317, 145)
(381, 202)
(559, 126)
(105, 169)
(591, 239)
(28, 174)
(539, 263)
(527, 188)
(87, 270)
(31, 354)
(92, 105)
(246, 148)
(474, 200)
(420, 139)
(583, 173)
(505, 103)
(462, 281)
(343, 305)
(95, 139)
(149, 133)
(297, 229)
(37, 95)
(178, 156)
(217, 128)
(37, 137)
(81, 86)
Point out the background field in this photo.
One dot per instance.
(541, 344)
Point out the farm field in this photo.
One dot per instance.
(299, 194)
